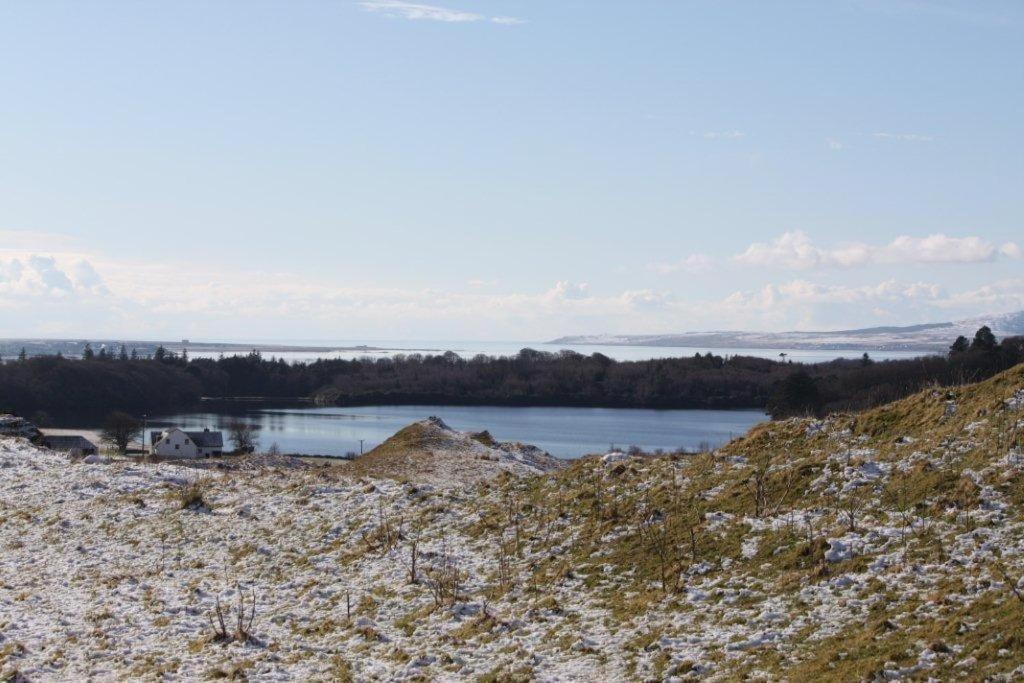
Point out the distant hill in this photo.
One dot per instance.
(73, 348)
(925, 337)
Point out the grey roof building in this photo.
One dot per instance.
(70, 442)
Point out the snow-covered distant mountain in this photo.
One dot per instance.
(926, 337)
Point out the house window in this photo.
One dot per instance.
(177, 447)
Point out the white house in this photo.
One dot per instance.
(177, 443)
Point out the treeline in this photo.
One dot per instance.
(103, 382)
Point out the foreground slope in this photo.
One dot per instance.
(882, 545)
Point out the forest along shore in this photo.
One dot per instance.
(104, 381)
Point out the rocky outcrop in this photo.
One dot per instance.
(12, 425)
(431, 452)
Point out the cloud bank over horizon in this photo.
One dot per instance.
(78, 293)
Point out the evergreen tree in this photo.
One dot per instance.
(135, 353)
(796, 395)
(87, 352)
(124, 353)
(959, 346)
(984, 340)
(22, 355)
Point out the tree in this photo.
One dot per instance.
(22, 355)
(796, 395)
(865, 360)
(984, 340)
(244, 435)
(961, 345)
(124, 353)
(87, 352)
(119, 429)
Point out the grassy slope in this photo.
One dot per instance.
(936, 478)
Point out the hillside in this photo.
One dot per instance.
(431, 452)
(885, 545)
(926, 338)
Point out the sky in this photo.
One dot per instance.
(506, 169)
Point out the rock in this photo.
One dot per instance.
(838, 550)
(12, 425)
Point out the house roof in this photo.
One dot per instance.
(68, 442)
(207, 439)
(204, 439)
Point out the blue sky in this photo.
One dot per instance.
(506, 169)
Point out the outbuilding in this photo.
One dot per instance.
(70, 443)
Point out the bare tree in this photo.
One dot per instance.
(119, 429)
(244, 435)
(444, 578)
(657, 540)
(758, 482)
(242, 631)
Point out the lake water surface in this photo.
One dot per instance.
(563, 432)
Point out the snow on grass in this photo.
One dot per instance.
(864, 559)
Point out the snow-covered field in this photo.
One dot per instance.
(882, 546)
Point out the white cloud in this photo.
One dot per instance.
(42, 277)
(834, 144)
(508, 21)
(419, 12)
(939, 248)
(805, 292)
(791, 250)
(694, 263)
(794, 250)
(1004, 295)
(903, 137)
(810, 305)
(568, 290)
(1011, 250)
(646, 299)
